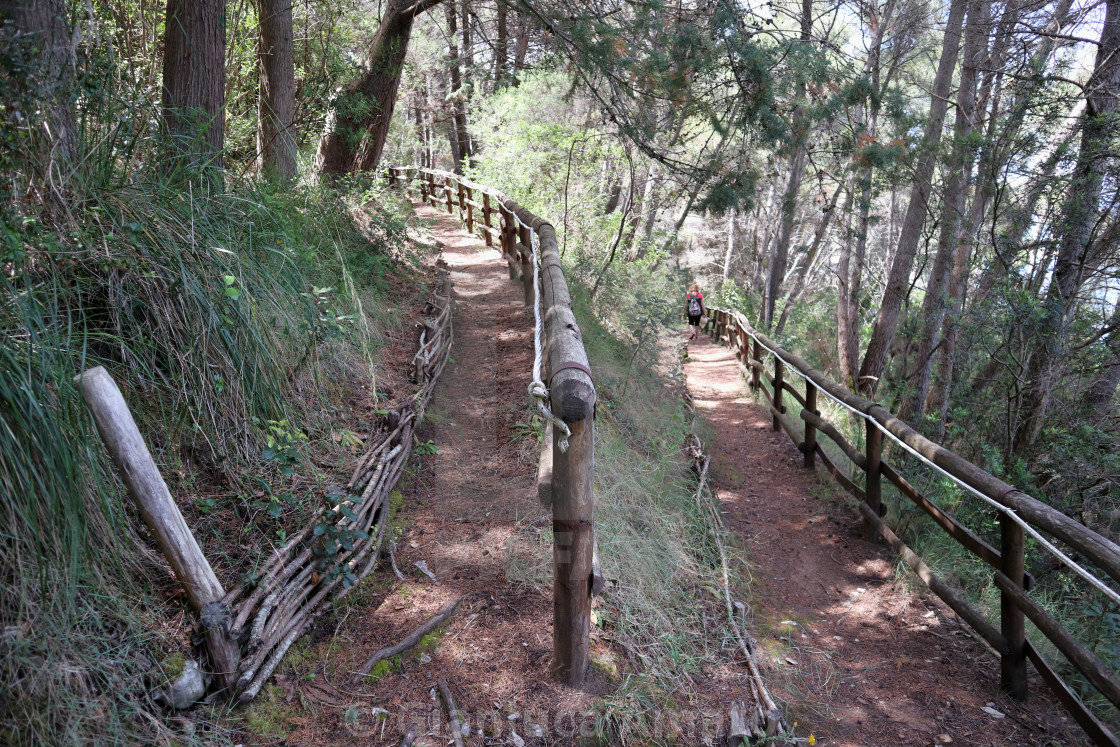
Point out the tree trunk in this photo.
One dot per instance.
(814, 248)
(780, 256)
(468, 19)
(1079, 220)
(959, 167)
(501, 48)
(991, 162)
(522, 46)
(358, 121)
(194, 74)
(41, 31)
(730, 245)
(882, 335)
(276, 143)
(462, 146)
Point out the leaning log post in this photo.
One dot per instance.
(470, 210)
(486, 218)
(1013, 665)
(432, 188)
(462, 200)
(447, 194)
(158, 510)
(779, 373)
(572, 395)
(526, 252)
(873, 490)
(809, 447)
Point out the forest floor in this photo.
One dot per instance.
(870, 663)
(871, 659)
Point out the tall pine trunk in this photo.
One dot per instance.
(959, 172)
(39, 29)
(194, 65)
(1098, 127)
(882, 334)
(276, 143)
(780, 257)
(358, 121)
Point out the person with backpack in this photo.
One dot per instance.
(694, 302)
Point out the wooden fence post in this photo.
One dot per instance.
(526, 252)
(779, 375)
(470, 210)
(447, 194)
(157, 508)
(486, 218)
(810, 444)
(462, 201)
(572, 395)
(873, 490)
(756, 376)
(509, 242)
(1013, 665)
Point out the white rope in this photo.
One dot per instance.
(537, 389)
(1009, 512)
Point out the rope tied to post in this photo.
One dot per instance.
(538, 390)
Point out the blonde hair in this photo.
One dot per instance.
(694, 287)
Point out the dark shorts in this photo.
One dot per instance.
(694, 321)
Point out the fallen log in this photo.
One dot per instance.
(410, 640)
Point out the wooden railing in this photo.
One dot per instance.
(1019, 514)
(565, 475)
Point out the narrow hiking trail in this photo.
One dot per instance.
(873, 662)
(467, 514)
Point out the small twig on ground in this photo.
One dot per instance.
(393, 559)
(452, 713)
(410, 640)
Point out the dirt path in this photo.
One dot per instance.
(869, 662)
(466, 509)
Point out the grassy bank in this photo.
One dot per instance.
(227, 317)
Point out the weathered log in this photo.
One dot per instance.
(571, 389)
(739, 730)
(157, 508)
(410, 640)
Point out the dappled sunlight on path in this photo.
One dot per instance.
(857, 657)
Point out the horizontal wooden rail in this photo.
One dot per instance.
(565, 477)
(753, 348)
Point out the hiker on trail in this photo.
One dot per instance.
(694, 300)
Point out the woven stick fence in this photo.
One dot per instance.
(248, 631)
